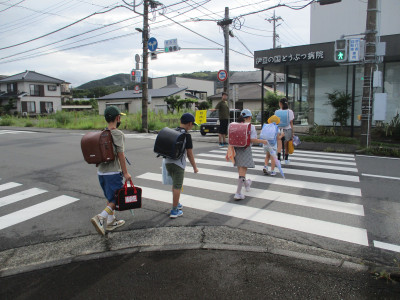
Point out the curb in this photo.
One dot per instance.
(85, 248)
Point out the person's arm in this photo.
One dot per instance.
(190, 156)
(122, 161)
(291, 125)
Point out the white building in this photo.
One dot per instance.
(312, 72)
(34, 93)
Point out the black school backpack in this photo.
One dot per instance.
(170, 143)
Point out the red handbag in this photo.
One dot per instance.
(239, 134)
(128, 197)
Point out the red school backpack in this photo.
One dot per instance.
(239, 134)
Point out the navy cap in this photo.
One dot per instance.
(187, 117)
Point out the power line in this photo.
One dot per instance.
(60, 29)
(11, 6)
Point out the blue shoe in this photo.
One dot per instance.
(180, 206)
(175, 213)
(220, 145)
(273, 173)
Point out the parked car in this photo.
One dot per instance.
(212, 124)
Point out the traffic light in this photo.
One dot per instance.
(171, 45)
(136, 76)
(341, 47)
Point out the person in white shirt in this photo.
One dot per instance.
(288, 130)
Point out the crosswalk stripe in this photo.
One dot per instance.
(8, 185)
(286, 182)
(35, 210)
(296, 154)
(140, 136)
(299, 164)
(338, 206)
(326, 175)
(387, 246)
(312, 152)
(321, 228)
(20, 196)
(292, 158)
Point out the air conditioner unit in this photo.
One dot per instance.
(24, 114)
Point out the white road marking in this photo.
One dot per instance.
(34, 211)
(318, 152)
(380, 176)
(141, 136)
(387, 246)
(383, 157)
(14, 131)
(8, 185)
(285, 182)
(20, 196)
(332, 176)
(321, 228)
(332, 159)
(298, 164)
(337, 206)
(290, 158)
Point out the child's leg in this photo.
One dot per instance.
(241, 180)
(267, 157)
(272, 164)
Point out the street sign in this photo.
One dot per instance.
(201, 116)
(152, 44)
(354, 49)
(138, 76)
(222, 75)
(137, 58)
(136, 89)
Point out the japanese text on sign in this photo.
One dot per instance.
(201, 117)
(290, 58)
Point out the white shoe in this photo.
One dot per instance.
(239, 197)
(99, 223)
(114, 224)
(248, 185)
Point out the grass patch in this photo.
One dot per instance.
(381, 151)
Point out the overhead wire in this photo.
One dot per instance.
(11, 6)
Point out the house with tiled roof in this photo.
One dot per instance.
(131, 102)
(33, 93)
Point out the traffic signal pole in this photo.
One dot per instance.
(145, 91)
(226, 36)
(370, 60)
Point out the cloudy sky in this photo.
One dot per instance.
(44, 35)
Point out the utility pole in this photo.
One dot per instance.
(226, 37)
(370, 60)
(145, 90)
(274, 38)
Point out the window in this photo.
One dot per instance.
(46, 107)
(28, 106)
(52, 88)
(11, 87)
(36, 90)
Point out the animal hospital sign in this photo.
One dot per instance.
(276, 59)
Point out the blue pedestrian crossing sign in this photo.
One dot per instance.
(152, 44)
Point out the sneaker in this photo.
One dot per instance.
(273, 173)
(226, 144)
(220, 145)
(180, 206)
(239, 197)
(287, 162)
(114, 224)
(175, 213)
(248, 185)
(265, 170)
(98, 223)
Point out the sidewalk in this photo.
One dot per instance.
(207, 262)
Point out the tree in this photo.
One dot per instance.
(341, 102)
(186, 102)
(172, 102)
(272, 102)
(204, 105)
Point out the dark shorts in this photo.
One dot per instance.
(223, 127)
(177, 174)
(110, 184)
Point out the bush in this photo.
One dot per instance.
(321, 130)
(272, 102)
(62, 118)
(6, 121)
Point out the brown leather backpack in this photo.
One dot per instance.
(98, 147)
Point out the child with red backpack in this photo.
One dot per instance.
(244, 156)
(271, 133)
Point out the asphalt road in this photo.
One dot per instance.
(357, 215)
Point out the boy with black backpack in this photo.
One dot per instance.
(111, 174)
(176, 167)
